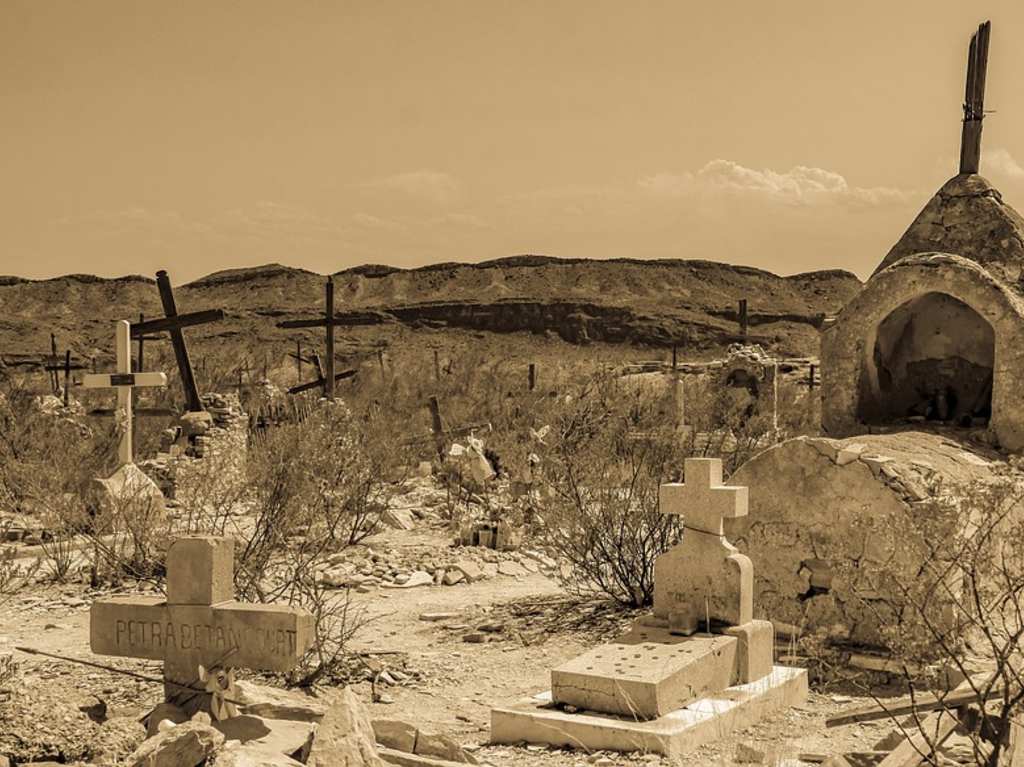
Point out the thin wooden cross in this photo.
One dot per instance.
(124, 381)
(974, 99)
(67, 367)
(327, 378)
(172, 323)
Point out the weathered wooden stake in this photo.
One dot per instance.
(329, 350)
(974, 100)
(810, 377)
(437, 425)
(380, 361)
(743, 317)
(532, 376)
(67, 376)
(54, 380)
(298, 361)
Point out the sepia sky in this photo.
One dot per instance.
(206, 134)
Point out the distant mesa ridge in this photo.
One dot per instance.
(690, 303)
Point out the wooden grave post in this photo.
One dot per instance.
(974, 99)
(172, 323)
(328, 322)
(124, 381)
(140, 361)
(531, 376)
(743, 317)
(67, 366)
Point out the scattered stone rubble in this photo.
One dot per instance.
(203, 445)
(365, 568)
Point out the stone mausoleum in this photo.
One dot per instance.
(937, 332)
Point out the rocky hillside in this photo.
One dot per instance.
(656, 303)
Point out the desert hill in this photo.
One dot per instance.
(655, 303)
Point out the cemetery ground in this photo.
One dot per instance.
(442, 683)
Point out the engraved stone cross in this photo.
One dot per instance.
(199, 623)
(704, 577)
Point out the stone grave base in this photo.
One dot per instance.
(537, 720)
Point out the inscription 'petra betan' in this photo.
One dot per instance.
(158, 635)
(199, 623)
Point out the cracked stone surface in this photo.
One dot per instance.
(813, 505)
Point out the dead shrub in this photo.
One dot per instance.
(601, 469)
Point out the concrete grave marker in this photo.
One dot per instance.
(704, 576)
(659, 687)
(199, 624)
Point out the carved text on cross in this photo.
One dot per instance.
(703, 501)
(200, 623)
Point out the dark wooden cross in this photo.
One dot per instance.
(974, 100)
(325, 378)
(142, 339)
(321, 377)
(172, 323)
(67, 367)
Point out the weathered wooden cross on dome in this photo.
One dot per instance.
(199, 623)
(124, 380)
(704, 577)
(974, 100)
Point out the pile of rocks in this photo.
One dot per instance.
(365, 569)
(211, 443)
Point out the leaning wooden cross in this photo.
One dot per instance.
(124, 380)
(199, 631)
(172, 323)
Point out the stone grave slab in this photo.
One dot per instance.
(646, 673)
(199, 623)
(716, 716)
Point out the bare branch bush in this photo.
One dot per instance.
(606, 459)
(318, 486)
(947, 587)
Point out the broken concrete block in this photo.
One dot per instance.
(442, 747)
(849, 453)
(451, 577)
(392, 733)
(398, 519)
(127, 494)
(470, 569)
(345, 736)
(185, 745)
(274, 703)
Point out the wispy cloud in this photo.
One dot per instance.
(428, 185)
(801, 185)
(999, 161)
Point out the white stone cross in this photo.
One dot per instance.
(704, 577)
(199, 627)
(124, 380)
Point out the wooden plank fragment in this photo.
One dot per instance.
(963, 694)
(932, 733)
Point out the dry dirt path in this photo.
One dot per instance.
(451, 688)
